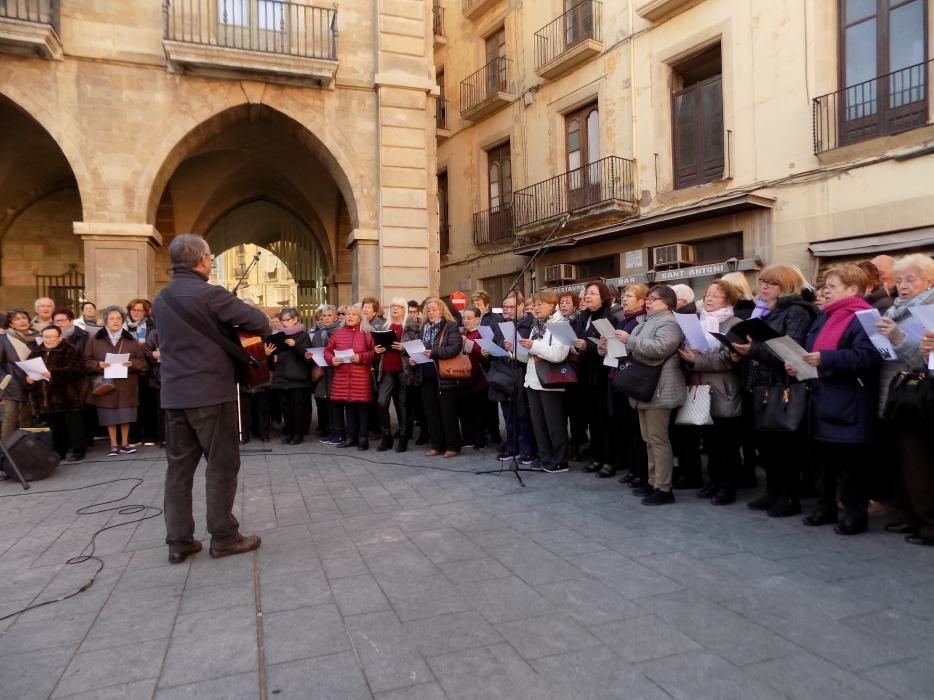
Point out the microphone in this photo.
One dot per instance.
(256, 257)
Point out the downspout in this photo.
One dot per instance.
(636, 192)
(379, 155)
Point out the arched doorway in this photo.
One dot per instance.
(39, 253)
(254, 176)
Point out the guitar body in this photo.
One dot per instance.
(258, 376)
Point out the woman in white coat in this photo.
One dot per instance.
(549, 421)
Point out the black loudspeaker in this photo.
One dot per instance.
(34, 457)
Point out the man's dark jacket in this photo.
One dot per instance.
(196, 371)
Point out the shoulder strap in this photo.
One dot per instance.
(210, 332)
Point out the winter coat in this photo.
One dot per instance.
(79, 339)
(196, 371)
(63, 391)
(352, 381)
(447, 343)
(908, 350)
(843, 399)
(547, 349)
(16, 389)
(792, 316)
(478, 363)
(155, 367)
(319, 339)
(409, 332)
(127, 390)
(655, 341)
(880, 299)
(715, 368)
(523, 330)
(590, 370)
(290, 369)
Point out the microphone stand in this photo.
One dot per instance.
(246, 273)
(517, 391)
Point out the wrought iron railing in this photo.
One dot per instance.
(889, 104)
(493, 225)
(607, 179)
(67, 289)
(581, 22)
(486, 82)
(269, 26)
(38, 11)
(441, 113)
(438, 19)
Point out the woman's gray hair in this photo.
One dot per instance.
(328, 307)
(187, 249)
(289, 311)
(113, 308)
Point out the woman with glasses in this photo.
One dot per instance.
(140, 324)
(714, 367)
(330, 419)
(352, 387)
(291, 376)
(780, 305)
(15, 345)
(624, 419)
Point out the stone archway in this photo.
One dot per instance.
(41, 200)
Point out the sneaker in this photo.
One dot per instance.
(326, 440)
(659, 498)
(526, 460)
(556, 468)
(114, 451)
(127, 450)
(504, 456)
(134, 444)
(538, 467)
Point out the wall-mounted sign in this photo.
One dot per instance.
(633, 259)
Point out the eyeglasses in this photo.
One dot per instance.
(649, 299)
(769, 283)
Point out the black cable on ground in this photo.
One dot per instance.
(87, 554)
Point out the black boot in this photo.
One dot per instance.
(403, 444)
(363, 445)
(385, 443)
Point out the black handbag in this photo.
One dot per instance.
(637, 380)
(501, 375)
(555, 375)
(910, 400)
(779, 408)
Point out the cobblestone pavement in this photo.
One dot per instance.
(403, 581)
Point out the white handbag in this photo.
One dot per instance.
(696, 408)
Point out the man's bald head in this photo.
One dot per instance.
(884, 265)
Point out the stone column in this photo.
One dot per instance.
(119, 261)
(365, 279)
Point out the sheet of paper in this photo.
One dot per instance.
(790, 352)
(931, 362)
(486, 332)
(508, 329)
(604, 327)
(317, 354)
(867, 319)
(694, 334)
(116, 370)
(615, 348)
(34, 368)
(344, 355)
(414, 347)
(610, 361)
(925, 314)
(563, 332)
(491, 347)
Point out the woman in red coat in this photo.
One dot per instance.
(352, 385)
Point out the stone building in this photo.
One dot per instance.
(302, 124)
(682, 138)
(261, 277)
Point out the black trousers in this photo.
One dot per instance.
(577, 407)
(441, 413)
(414, 411)
(686, 445)
(723, 440)
(190, 433)
(336, 418)
(490, 413)
(392, 388)
(471, 407)
(781, 455)
(67, 432)
(358, 420)
(292, 402)
(146, 427)
(549, 425)
(848, 462)
(598, 412)
(254, 413)
(630, 452)
(324, 415)
(916, 456)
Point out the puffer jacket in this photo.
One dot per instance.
(290, 369)
(351, 381)
(907, 349)
(547, 349)
(715, 368)
(63, 391)
(792, 316)
(655, 341)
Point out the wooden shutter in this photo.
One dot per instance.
(697, 138)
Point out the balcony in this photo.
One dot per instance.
(261, 39)
(488, 90)
(654, 10)
(475, 8)
(442, 127)
(30, 28)
(493, 225)
(572, 39)
(601, 192)
(437, 23)
(889, 104)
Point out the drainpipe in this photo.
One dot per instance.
(637, 193)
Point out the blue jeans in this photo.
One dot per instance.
(526, 437)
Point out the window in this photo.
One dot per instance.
(578, 21)
(499, 163)
(497, 287)
(496, 77)
(496, 45)
(697, 120)
(598, 268)
(271, 15)
(443, 227)
(441, 115)
(582, 137)
(234, 12)
(882, 72)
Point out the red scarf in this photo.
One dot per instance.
(839, 315)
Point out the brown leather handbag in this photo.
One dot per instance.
(457, 367)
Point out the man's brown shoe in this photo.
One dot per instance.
(239, 546)
(177, 556)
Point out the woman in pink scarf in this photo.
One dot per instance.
(842, 424)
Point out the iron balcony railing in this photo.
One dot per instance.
(269, 26)
(493, 225)
(607, 179)
(889, 104)
(581, 22)
(38, 11)
(486, 82)
(441, 114)
(438, 19)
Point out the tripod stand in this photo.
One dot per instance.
(516, 365)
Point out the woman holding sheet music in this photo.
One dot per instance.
(472, 399)
(350, 352)
(291, 375)
(390, 380)
(780, 305)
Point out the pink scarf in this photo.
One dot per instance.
(839, 315)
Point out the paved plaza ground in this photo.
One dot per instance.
(403, 581)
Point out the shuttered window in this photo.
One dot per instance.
(697, 122)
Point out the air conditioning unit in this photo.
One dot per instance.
(560, 273)
(673, 256)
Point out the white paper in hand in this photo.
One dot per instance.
(491, 347)
(34, 368)
(116, 370)
(868, 318)
(562, 332)
(416, 350)
(486, 332)
(694, 334)
(344, 355)
(317, 354)
(604, 328)
(790, 352)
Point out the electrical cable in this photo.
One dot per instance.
(88, 553)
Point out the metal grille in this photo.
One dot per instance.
(66, 290)
(578, 24)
